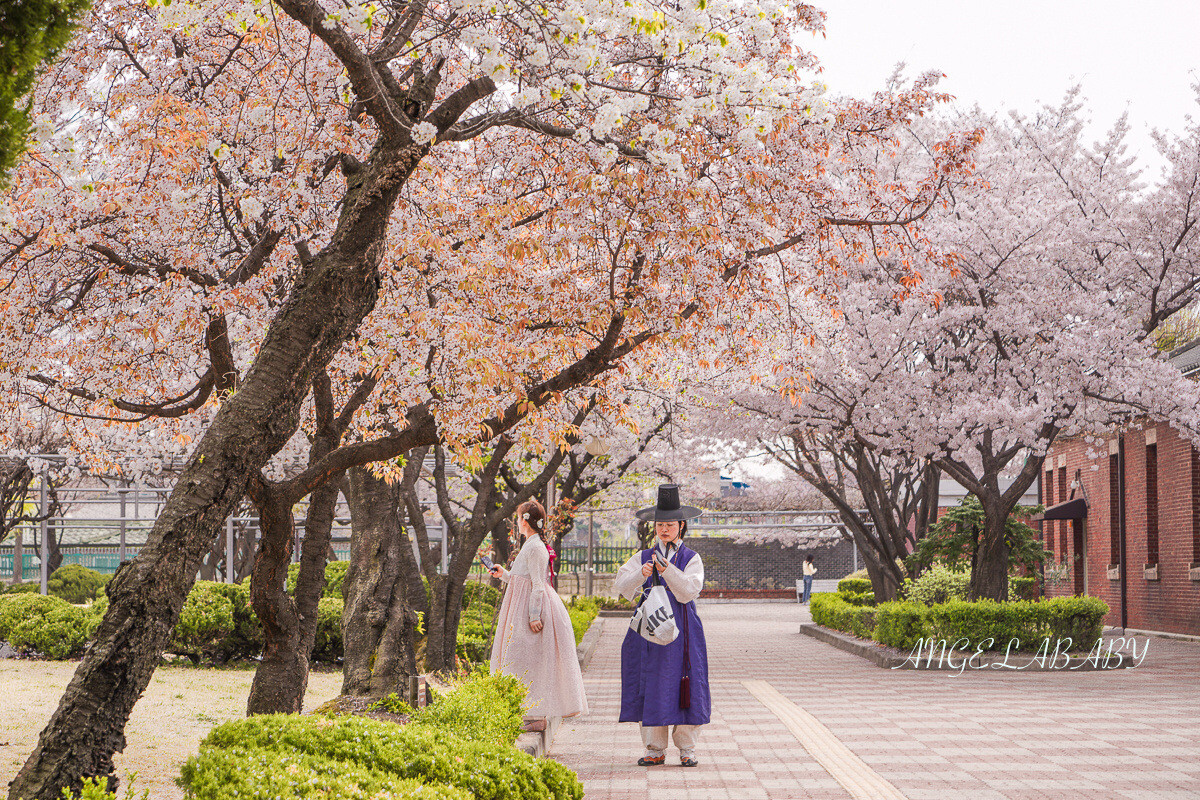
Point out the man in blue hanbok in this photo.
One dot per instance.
(666, 685)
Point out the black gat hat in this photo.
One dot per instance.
(668, 508)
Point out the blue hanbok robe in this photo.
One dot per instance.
(650, 672)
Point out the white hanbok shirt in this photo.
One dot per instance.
(686, 584)
(532, 562)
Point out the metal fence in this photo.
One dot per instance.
(121, 515)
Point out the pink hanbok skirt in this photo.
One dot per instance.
(546, 662)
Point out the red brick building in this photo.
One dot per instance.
(1132, 500)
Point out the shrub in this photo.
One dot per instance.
(477, 592)
(225, 774)
(97, 789)
(392, 704)
(205, 622)
(986, 619)
(475, 649)
(485, 708)
(335, 577)
(328, 645)
(1081, 618)
(246, 638)
(858, 574)
(62, 632)
(582, 610)
(15, 609)
(858, 598)
(901, 624)
(854, 585)
(1023, 587)
(74, 583)
(294, 756)
(28, 587)
(616, 604)
(832, 611)
(938, 584)
(941, 584)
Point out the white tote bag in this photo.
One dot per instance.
(654, 619)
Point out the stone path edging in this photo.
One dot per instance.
(855, 775)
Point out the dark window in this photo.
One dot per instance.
(1114, 510)
(1064, 524)
(1195, 506)
(1152, 504)
(1047, 497)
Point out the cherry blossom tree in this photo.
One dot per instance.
(1040, 325)
(482, 207)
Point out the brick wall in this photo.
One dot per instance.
(765, 569)
(1172, 602)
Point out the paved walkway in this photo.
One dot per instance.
(796, 718)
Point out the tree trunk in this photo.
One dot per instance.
(502, 546)
(282, 676)
(989, 568)
(18, 556)
(442, 626)
(884, 581)
(378, 624)
(331, 296)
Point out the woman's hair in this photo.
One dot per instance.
(808, 557)
(532, 512)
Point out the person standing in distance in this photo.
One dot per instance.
(666, 685)
(810, 569)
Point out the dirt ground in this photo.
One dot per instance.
(178, 709)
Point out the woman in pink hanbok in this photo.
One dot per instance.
(534, 639)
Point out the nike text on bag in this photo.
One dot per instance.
(654, 620)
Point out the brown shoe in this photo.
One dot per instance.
(648, 761)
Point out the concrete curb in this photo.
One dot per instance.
(538, 743)
(616, 612)
(891, 658)
(587, 645)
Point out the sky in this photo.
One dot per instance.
(1142, 57)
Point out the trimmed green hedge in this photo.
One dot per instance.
(850, 585)
(34, 623)
(832, 611)
(75, 583)
(858, 598)
(901, 624)
(216, 623)
(449, 750)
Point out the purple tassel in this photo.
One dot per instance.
(685, 692)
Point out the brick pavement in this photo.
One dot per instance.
(1132, 733)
